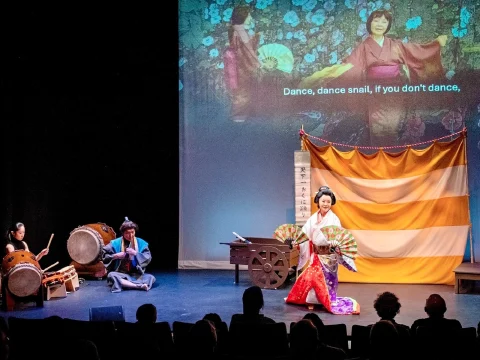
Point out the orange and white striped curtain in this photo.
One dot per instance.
(408, 211)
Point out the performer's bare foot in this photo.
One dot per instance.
(311, 307)
(143, 287)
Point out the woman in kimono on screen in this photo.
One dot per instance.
(318, 265)
(241, 64)
(381, 60)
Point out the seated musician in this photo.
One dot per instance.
(14, 240)
(126, 259)
(30, 289)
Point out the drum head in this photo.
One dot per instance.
(85, 245)
(24, 280)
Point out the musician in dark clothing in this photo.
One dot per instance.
(14, 240)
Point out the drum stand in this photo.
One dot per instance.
(59, 283)
(9, 300)
(72, 284)
(96, 270)
(56, 290)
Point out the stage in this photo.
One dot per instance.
(187, 295)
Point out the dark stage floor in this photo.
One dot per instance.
(186, 295)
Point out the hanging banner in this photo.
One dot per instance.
(303, 207)
(408, 210)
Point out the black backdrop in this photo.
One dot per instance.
(90, 123)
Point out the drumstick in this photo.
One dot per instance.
(49, 241)
(49, 267)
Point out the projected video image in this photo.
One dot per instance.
(355, 72)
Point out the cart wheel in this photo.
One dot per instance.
(268, 267)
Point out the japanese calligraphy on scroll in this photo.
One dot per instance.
(302, 186)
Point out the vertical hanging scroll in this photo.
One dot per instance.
(302, 186)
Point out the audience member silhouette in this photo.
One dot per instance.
(435, 307)
(215, 318)
(146, 313)
(436, 336)
(385, 341)
(478, 339)
(317, 321)
(303, 340)
(250, 331)
(4, 339)
(252, 305)
(387, 306)
(221, 329)
(84, 350)
(156, 339)
(324, 350)
(202, 339)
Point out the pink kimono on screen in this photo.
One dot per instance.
(241, 66)
(394, 63)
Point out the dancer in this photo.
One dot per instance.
(318, 280)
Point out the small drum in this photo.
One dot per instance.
(51, 279)
(68, 272)
(86, 242)
(22, 273)
(59, 277)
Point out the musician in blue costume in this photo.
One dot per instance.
(126, 259)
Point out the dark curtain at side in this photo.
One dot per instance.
(89, 124)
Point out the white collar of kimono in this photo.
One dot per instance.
(319, 214)
(380, 41)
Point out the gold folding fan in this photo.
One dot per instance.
(290, 232)
(342, 242)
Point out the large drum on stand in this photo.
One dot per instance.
(22, 273)
(85, 245)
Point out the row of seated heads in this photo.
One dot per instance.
(387, 305)
(305, 335)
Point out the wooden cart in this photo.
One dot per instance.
(268, 260)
